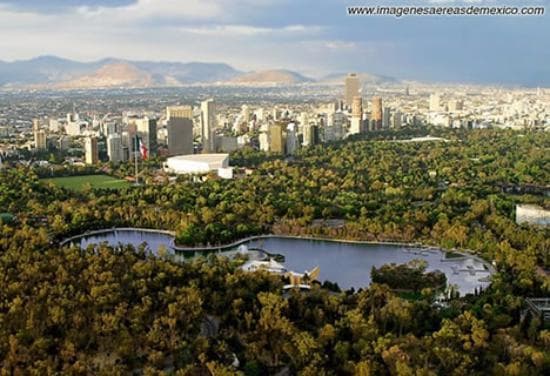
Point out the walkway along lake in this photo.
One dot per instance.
(346, 263)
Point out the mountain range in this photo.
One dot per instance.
(51, 72)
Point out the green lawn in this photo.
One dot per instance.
(77, 183)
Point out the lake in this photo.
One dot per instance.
(348, 264)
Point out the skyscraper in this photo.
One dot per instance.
(356, 115)
(311, 135)
(180, 130)
(397, 119)
(276, 139)
(386, 118)
(353, 88)
(147, 132)
(208, 124)
(39, 135)
(90, 148)
(376, 113)
(114, 148)
(435, 103)
(40, 140)
(184, 111)
(291, 139)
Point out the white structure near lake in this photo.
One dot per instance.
(199, 164)
(532, 214)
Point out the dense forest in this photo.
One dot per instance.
(119, 311)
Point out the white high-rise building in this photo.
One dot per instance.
(114, 148)
(435, 103)
(208, 125)
(73, 128)
(291, 139)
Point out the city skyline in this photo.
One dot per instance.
(299, 36)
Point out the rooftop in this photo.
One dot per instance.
(208, 158)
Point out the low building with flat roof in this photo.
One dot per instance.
(198, 164)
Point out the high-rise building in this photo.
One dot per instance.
(147, 132)
(386, 116)
(91, 150)
(376, 113)
(352, 89)
(73, 128)
(356, 125)
(180, 130)
(397, 119)
(335, 126)
(291, 139)
(276, 138)
(208, 125)
(114, 148)
(183, 111)
(435, 103)
(455, 105)
(40, 142)
(311, 135)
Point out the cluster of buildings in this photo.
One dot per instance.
(214, 129)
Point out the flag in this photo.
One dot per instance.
(143, 150)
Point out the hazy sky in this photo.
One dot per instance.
(311, 36)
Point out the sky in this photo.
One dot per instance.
(314, 37)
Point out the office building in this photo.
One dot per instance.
(311, 135)
(397, 120)
(386, 116)
(114, 148)
(455, 105)
(180, 130)
(39, 135)
(291, 139)
(208, 125)
(376, 113)
(352, 88)
(336, 123)
(147, 132)
(91, 150)
(356, 125)
(435, 103)
(183, 111)
(276, 138)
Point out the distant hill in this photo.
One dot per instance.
(366, 79)
(276, 76)
(55, 72)
(116, 74)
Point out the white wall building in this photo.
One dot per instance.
(199, 164)
(532, 214)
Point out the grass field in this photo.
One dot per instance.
(78, 183)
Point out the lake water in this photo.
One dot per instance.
(348, 264)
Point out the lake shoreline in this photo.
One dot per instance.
(220, 248)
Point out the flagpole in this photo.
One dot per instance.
(136, 158)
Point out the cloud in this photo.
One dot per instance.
(250, 31)
(307, 35)
(57, 5)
